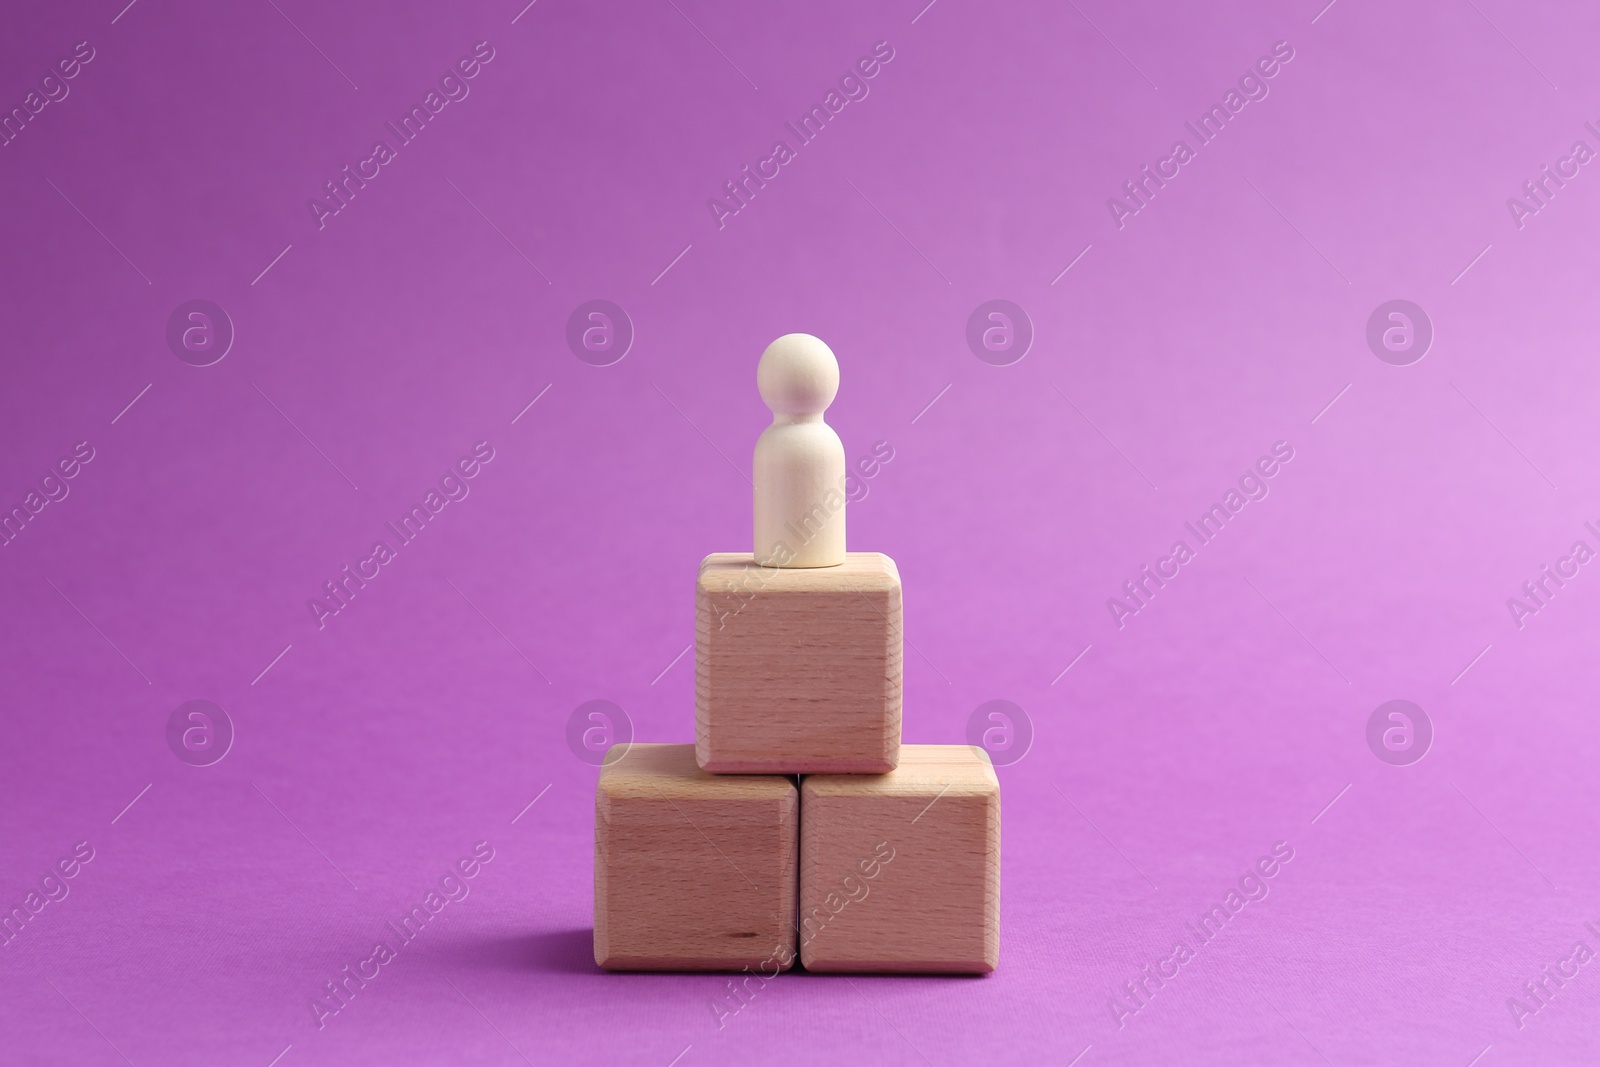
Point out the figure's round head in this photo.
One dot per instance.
(798, 375)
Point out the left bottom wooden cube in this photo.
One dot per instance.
(692, 871)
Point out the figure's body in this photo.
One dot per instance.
(799, 469)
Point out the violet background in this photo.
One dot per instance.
(1222, 318)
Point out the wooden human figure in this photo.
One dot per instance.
(799, 461)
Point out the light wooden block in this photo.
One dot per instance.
(691, 871)
(797, 670)
(900, 873)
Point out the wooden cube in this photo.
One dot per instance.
(797, 670)
(691, 871)
(900, 873)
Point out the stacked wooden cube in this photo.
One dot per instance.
(797, 825)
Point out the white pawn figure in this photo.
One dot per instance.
(799, 461)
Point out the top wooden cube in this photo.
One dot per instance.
(797, 670)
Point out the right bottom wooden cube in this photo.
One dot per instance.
(900, 872)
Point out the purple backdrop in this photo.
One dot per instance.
(1178, 314)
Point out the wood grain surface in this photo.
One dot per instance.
(692, 871)
(797, 671)
(900, 872)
